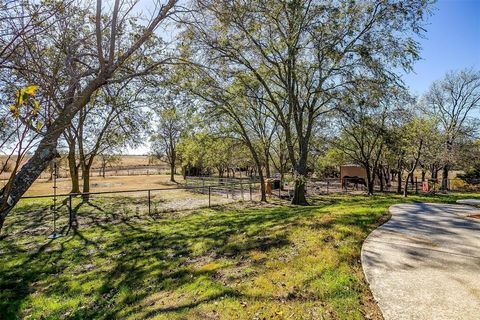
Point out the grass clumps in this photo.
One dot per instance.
(265, 261)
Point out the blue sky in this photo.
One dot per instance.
(452, 42)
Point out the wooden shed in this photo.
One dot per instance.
(352, 170)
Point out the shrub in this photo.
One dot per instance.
(472, 176)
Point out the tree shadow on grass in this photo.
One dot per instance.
(112, 267)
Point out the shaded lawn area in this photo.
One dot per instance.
(246, 262)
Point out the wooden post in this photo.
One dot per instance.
(209, 196)
(416, 185)
(149, 202)
(70, 210)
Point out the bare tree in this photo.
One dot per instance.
(113, 120)
(101, 64)
(453, 101)
(303, 54)
(173, 121)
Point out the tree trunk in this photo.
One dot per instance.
(399, 186)
(299, 197)
(370, 180)
(47, 149)
(51, 170)
(86, 182)
(445, 177)
(405, 191)
(386, 175)
(423, 175)
(380, 177)
(267, 165)
(282, 179)
(73, 168)
(45, 152)
(172, 172)
(2, 219)
(263, 191)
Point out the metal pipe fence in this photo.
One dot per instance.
(76, 209)
(64, 173)
(334, 185)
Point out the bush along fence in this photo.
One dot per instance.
(69, 211)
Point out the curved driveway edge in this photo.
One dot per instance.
(424, 263)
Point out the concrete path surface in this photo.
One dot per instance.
(472, 202)
(424, 263)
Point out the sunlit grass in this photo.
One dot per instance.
(253, 262)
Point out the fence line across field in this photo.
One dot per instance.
(231, 190)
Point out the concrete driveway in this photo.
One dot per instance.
(424, 263)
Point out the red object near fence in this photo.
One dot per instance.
(425, 186)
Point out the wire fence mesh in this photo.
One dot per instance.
(62, 212)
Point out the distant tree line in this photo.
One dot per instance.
(292, 87)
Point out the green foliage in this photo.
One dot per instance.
(266, 261)
(472, 176)
(327, 165)
(27, 107)
(212, 153)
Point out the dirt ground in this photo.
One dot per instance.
(97, 184)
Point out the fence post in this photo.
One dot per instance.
(250, 187)
(209, 197)
(149, 202)
(241, 190)
(416, 185)
(70, 210)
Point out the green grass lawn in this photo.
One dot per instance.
(241, 262)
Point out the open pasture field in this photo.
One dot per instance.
(136, 163)
(109, 183)
(238, 261)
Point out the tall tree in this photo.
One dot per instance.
(413, 139)
(114, 119)
(303, 54)
(116, 43)
(453, 101)
(366, 115)
(173, 120)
